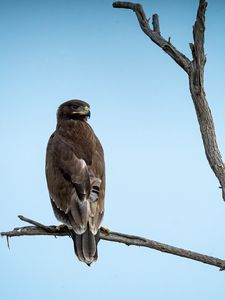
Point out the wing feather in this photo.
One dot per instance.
(76, 184)
(68, 183)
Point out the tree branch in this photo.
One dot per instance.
(154, 34)
(196, 83)
(41, 229)
(195, 71)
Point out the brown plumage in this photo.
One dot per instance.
(75, 175)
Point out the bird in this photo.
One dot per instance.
(75, 173)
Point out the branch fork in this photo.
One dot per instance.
(195, 71)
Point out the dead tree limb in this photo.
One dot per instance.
(195, 71)
(40, 229)
(154, 34)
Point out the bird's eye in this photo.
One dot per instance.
(75, 107)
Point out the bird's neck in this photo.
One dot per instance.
(73, 125)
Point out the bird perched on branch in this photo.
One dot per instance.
(75, 173)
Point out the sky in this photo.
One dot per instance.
(159, 183)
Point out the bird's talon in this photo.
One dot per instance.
(60, 227)
(105, 230)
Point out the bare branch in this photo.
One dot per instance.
(116, 237)
(195, 70)
(46, 228)
(179, 57)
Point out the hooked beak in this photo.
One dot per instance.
(85, 111)
(88, 114)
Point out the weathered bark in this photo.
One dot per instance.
(196, 84)
(195, 71)
(40, 229)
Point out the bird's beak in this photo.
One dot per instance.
(85, 111)
(86, 108)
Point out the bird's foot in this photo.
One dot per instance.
(105, 230)
(61, 227)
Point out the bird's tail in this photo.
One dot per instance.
(85, 246)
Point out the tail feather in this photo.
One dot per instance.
(89, 245)
(77, 241)
(85, 246)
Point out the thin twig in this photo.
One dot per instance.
(47, 228)
(116, 237)
(7, 238)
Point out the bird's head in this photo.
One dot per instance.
(73, 109)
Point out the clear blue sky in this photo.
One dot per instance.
(159, 184)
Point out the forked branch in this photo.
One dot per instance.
(195, 71)
(154, 34)
(41, 229)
